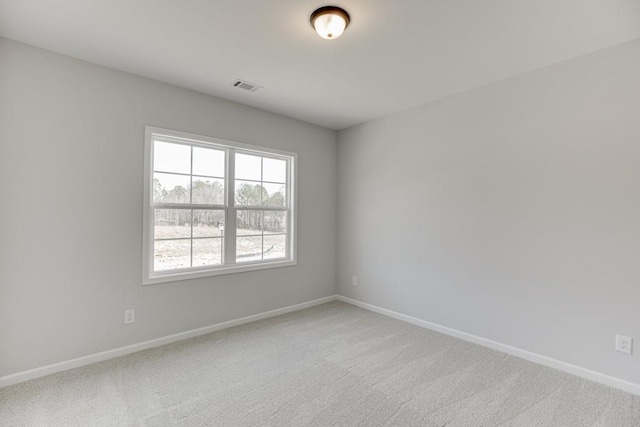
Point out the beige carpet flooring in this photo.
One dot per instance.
(334, 364)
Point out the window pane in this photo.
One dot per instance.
(207, 252)
(248, 222)
(169, 188)
(208, 162)
(207, 191)
(274, 222)
(249, 193)
(169, 157)
(248, 249)
(274, 195)
(248, 167)
(171, 254)
(275, 246)
(208, 223)
(172, 223)
(274, 170)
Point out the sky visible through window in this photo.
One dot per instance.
(176, 159)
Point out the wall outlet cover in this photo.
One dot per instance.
(129, 316)
(624, 344)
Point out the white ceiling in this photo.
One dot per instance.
(394, 55)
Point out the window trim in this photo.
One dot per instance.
(150, 278)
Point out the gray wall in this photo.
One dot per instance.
(511, 212)
(71, 159)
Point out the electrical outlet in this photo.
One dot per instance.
(354, 280)
(129, 316)
(624, 344)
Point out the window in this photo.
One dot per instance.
(215, 207)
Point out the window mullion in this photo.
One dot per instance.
(230, 226)
(289, 206)
(191, 210)
(263, 208)
(185, 206)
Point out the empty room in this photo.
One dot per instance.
(306, 213)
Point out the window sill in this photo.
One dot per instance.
(237, 268)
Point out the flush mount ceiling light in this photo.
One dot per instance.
(330, 21)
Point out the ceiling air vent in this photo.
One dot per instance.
(246, 85)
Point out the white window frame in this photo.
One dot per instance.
(150, 277)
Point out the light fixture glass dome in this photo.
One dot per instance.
(330, 22)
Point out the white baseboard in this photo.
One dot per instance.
(122, 351)
(514, 351)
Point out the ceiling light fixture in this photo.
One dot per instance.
(330, 21)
